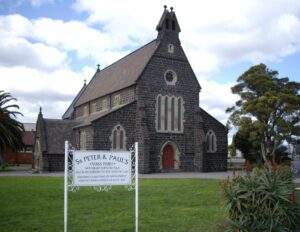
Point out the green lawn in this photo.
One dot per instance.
(186, 205)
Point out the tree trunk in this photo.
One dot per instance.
(263, 151)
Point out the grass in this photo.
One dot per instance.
(185, 205)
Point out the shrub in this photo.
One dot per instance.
(262, 201)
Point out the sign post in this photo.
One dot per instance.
(136, 188)
(66, 187)
(100, 169)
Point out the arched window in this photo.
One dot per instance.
(118, 138)
(170, 48)
(167, 23)
(173, 25)
(169, 114)
(82, 139)
(211, 141)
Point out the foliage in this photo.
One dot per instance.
(246, 140)
(232, 148)
(261, 201)
(272, 104)
(36, 204)
(10, 128)
(282, 155)
(297, 147)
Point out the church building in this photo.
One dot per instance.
(150, 96)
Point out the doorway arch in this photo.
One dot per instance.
(169, 158)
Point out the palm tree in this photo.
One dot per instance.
(10, 129)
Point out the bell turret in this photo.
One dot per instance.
(168, 27)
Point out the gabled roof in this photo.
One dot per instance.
(203, 113)
(70, 110)
(57, 131)
(119, 75)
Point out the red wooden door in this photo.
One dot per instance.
(168, 157)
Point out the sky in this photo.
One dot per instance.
(49, 47)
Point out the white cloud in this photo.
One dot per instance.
(214, 34)
(215, 98)
(72, 36)
(16, 49)
(15, 26)
(34, 88)
(19, 52)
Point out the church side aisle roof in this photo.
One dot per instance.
(56, 132)
(118, 75)
(86, 121)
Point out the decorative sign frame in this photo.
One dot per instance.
(102, 170)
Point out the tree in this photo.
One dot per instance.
(10, 129)
(247, 141)
(272, 104)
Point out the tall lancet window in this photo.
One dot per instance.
(82, 139)
(118, 138)
(211, 141)
(169, 114)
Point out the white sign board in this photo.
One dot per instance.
(96, 168)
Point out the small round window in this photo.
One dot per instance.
(170, 77)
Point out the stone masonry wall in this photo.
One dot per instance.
(150, 84)
(54, 162)
(216, 161)
(103, 127)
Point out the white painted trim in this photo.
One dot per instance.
(214, 147)
(111, 138)
(173, 82)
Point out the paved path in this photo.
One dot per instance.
(209, 175)
(26, 171)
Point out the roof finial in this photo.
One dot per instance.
(40, 113)
(165, 6)
(98, 67)
(171, 8)
(84, 84)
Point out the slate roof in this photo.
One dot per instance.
(202, 112)
(56, 132)
(118, 75)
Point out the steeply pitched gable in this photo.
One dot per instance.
(69, 112)
(204, 114)
(119, 75)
